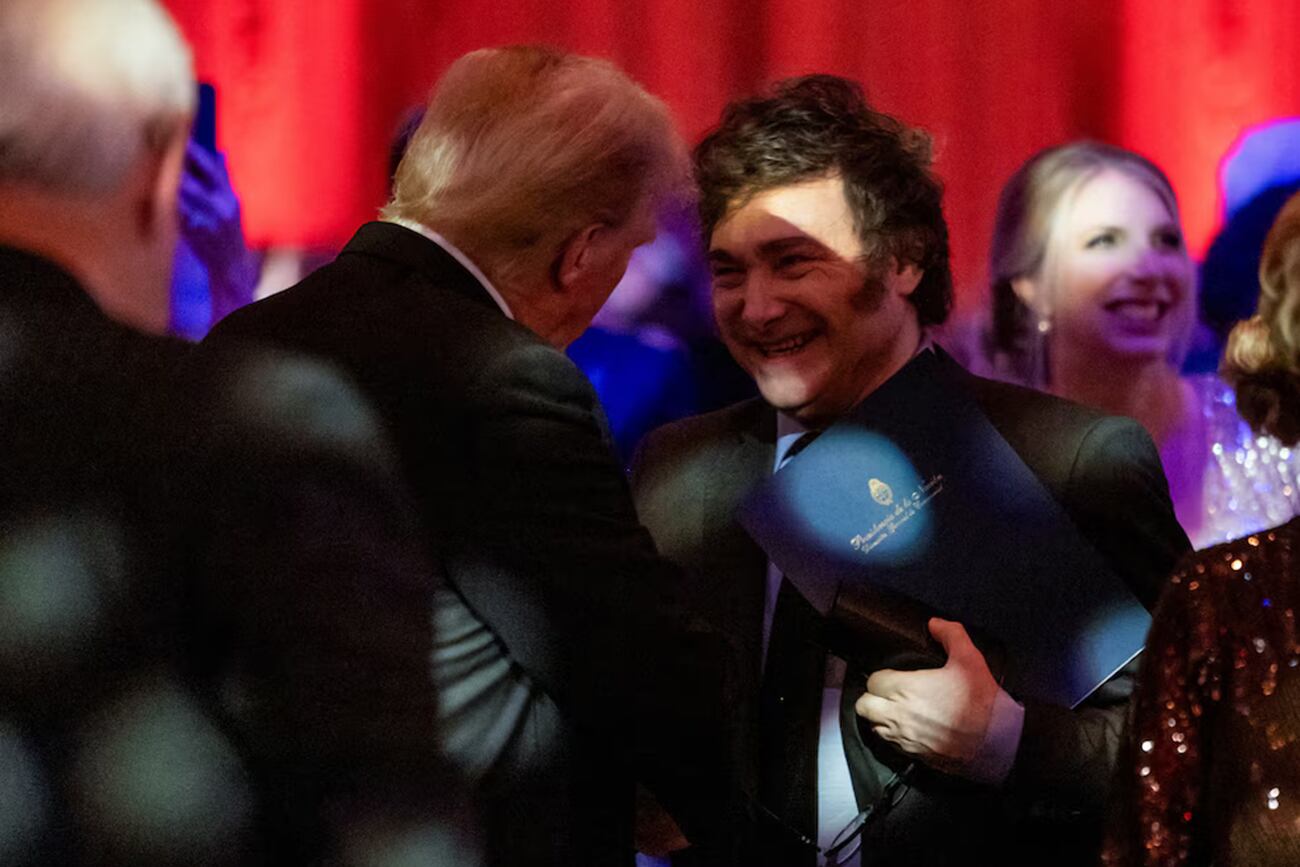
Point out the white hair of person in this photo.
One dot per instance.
(522, 147)
(89, 87)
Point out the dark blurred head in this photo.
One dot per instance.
(1230, 272)
(1262, 359)
(401, 141)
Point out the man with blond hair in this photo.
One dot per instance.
(566, 665)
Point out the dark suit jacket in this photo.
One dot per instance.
(91, 598)
(572, 666)
(225, 568)
(689, 479)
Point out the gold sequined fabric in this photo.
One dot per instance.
(1210, 772)
(1250, 481)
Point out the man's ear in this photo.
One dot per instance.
(158, 185)
(903, 279)
(578, 255)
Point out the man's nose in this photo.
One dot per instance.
(762, 302)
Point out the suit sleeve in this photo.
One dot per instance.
(573, 585)
(1119, 497)
(315, 592)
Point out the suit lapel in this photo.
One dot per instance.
(732, 568)
(737, 562)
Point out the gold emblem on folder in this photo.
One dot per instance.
(881, 492)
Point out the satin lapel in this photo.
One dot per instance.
(737, 559)
(734, 565)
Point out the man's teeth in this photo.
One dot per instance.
(785, 346)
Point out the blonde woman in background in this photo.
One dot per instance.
(1094, 299)
(1211, 767)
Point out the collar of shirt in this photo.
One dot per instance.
(789, 429)
(455, 253)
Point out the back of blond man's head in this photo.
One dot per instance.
(89, 86)
(521, 147)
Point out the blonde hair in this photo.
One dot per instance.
(1030, 212)
(521, 147)
(89, 87)
(1262, 358)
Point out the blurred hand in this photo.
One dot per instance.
(212, 226)
(657, 835)
(941, 715)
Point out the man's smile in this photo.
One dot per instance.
(784, 347)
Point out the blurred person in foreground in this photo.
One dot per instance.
(158, 543)
(1210, 772)
(1094, 299)
(566, 664)
(829, 252)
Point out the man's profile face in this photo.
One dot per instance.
(798, 307)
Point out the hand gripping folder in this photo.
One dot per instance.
(916, 505)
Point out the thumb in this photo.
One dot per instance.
(952, 636)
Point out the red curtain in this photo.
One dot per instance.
(310, 92)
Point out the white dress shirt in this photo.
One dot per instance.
(455, 253)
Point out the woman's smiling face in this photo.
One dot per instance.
(1117, 280)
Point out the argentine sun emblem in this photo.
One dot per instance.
(881, 492)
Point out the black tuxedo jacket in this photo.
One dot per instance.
(190, 534)
(566, 662)
(690, 477)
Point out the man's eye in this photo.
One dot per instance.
(792, 261)
(726, 276)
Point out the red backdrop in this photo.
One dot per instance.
(310, 92)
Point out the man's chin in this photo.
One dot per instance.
(783, 398)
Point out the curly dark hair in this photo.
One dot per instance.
(819, 125)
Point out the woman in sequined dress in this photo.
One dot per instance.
(1211, 765)
(1094, 299)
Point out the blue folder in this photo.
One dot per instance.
(916, 493)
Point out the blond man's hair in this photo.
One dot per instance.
(522, 147)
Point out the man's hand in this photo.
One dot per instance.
(941, 716)
(657, 835)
